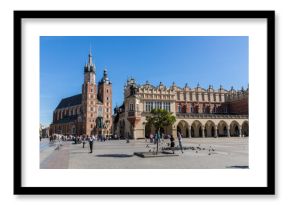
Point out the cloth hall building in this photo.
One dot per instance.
(199, 112)
(88, 113)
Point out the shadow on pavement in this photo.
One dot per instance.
(114, 155)
(238, 167)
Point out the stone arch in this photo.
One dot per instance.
(168, 130)
(196, 129)
(210, 128)
(222, 129)
(182, 127)
(235, 128)
(148, 130)
(245, 128)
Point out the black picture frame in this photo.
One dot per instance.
(268, 190)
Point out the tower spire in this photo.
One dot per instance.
(90, 56)
(90, 67)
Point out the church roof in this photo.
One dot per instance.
(70, 101)
(73, 101)
(66, 119)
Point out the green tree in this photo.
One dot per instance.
(160, 118)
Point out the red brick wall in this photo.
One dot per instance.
(239, 107)
(209, 107)
(105, 91)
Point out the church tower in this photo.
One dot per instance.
(89, 97)
(105, 95)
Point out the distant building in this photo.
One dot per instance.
(87, 113)
(199, 112)
(45, 132)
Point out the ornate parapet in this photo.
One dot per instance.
(210, 116)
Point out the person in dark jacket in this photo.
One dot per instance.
(91, 142)
(179, 136)
(172, 144)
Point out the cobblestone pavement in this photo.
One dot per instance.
(208, 153)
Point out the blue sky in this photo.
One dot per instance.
(215, 60)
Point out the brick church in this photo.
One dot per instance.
(88, 113)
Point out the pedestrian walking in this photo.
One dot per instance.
(84, 141)
(91, 141)
(179, 136)
(151, 137)
(172, 144)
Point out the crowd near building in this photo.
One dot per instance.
(88, 113)
(199, 112)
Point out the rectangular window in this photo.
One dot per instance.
(145, 107)
(168, 106)
(148, 106)
(131, 107)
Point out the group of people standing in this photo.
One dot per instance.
(172, 143)
(154, 139)
(83, 139)
(89, 139)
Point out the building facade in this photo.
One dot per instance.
(199, 112)
(88, 113)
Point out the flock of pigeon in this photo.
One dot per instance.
(196, 149)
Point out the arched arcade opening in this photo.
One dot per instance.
(183, 128)
(196, 129)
